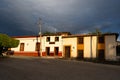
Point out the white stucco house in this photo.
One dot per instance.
(47, 45)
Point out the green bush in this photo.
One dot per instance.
(7, 42)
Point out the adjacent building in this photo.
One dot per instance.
(65, 45)
(102, 47)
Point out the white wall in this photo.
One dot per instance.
(110, 46)
(73, 43)
(94, 41)
(52, 39)
(87, 47)
(90, 47)
(29, 44)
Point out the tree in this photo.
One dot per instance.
(7, 42)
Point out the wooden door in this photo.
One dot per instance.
(56, 50)
(48, 51)
(67, 51)
(101, 55)
(37, 46)
(22, 47)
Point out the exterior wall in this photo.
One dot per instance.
(72, 42)
(30, 44)
(51, 44)
(87, 47)
(94, 41)
(118, 43)
(29, 47)
(110, 47)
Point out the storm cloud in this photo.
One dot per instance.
(19, 17)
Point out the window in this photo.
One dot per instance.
(37, 46)
(80, 40)
(48, 39)
(21, 46)
(56, 38)
(100, 39)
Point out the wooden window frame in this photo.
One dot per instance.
(48, 39)
(101, 39)
(56, 38)
(80, 40)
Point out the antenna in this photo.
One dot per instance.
(40, 25)
(55, 30)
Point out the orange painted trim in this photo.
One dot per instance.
(101, 46)
(80, 47)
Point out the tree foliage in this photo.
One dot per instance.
(7, 42)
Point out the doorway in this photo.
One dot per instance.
(67, 51)
(80, 54)
(21, 46)
(101, 55)
(37, 48)
(48, 51)
(56, 51)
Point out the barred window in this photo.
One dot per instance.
(80, 40)
(101, 39)
(48, 39)
(56, 38)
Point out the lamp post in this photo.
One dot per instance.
(40, 33)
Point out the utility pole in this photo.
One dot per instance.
(40, 33)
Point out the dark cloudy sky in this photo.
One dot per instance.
(19, 17)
